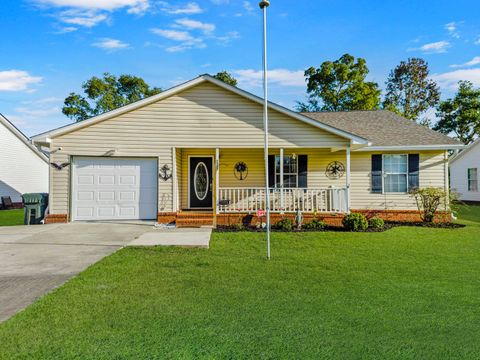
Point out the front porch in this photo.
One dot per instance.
(209, 184)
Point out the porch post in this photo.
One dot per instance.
(282, 198)
(217, 179)
(174, 180)
(347, 180)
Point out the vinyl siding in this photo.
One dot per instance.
(459, 174)
(21, 169)
(431, 174)
(204, 116)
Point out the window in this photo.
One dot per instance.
(290, 172)
(472, 179)
(395, 169)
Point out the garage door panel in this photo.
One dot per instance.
(109, 189)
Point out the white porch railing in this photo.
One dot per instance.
(289, 200)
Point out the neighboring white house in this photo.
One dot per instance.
(465, 173)
(23, 169)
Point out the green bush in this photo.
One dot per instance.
(376, 223)
(355, 222)
(285, 225)
(315, 224)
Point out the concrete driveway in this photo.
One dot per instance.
(37, 259)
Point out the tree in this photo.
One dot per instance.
(461, 115)
(409, 91)
(340, 85)
(226, 77)
(106, 94)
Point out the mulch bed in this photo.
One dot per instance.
(388, 225)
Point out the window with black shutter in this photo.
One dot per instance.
(377, 173)
(413, 171)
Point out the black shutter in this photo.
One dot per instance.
(271, 171)
(377, 173)
(413, 171)
(302, 171)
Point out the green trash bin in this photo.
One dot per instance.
(35, 205)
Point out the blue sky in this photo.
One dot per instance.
(49, 47)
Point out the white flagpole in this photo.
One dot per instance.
(264, 4)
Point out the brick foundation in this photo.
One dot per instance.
(404, 215)
(166, 217)
(56, 218)
(253, 220)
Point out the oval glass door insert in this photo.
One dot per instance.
(200, 181)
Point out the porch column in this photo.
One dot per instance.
(174, 181)
(282, 198)
(217, 179)
(347, 180)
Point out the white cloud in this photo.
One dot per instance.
(477, 42)
(110, 44)
(17, 80)
(228, 37)
(451, 27)
(66, 29)
(176, 35)
(473, 62)
(189, 9)
(85, 18)
(450, 79)
(40, 112)
(283, 77)
(435, 47)
(89, 13)
(187, 40)
(248, 7)
(108, 5)
(195, 25)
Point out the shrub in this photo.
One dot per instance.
(428, 200)
(376, 223)
(285, 225)
(355, 222)
(315, 224)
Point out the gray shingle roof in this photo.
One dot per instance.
(383, 128)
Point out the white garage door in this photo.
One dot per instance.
(114, 189)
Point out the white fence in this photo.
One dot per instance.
(332, 199)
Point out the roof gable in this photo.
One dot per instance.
(22, 137)
(185, 86)
(472, 147)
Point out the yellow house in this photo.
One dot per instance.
(194, 154)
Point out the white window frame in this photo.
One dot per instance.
(472, 180)
(277, 185)
(384, 175)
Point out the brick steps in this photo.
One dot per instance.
(194, 219)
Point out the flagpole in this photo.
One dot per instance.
(264, 4)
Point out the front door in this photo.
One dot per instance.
(200, 182)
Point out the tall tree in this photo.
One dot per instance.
(409, 90)
(340, 85)
(106, 94)
(226, 77)
(461, 115)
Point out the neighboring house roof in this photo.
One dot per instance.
(187, 85)
(469, 148)
(385, 129)
(22, 137)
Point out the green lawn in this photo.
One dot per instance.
(11, 217)
(408, 293)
